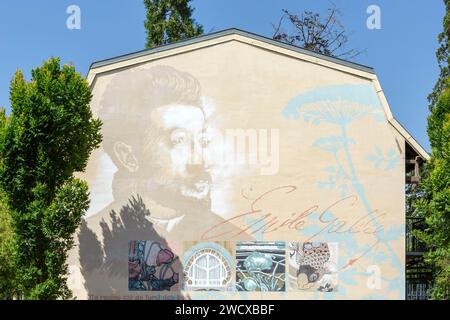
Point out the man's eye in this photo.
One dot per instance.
(178, 137)
(204, 142)
(177, 140)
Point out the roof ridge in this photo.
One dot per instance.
(221, 33)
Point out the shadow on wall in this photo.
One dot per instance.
(151, 270)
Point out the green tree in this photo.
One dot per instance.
(443, 58)
(48, 137)
(431, 200)
(168, 21)
(7, 274)
(433, 204)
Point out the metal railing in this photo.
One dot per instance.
(413, 244)
(418, 291)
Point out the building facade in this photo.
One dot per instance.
(237, 167)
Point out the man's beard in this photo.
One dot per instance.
(199, 190)
(180, 196)
(184, 196)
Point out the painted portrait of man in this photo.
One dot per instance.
(154, 127)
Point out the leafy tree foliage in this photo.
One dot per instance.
(432, 197)
(433, 204)
(7, 274)
(443, 58)
(169, 21)
(48, 137)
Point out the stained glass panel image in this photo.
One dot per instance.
(260, 266)
(313, 266)
(152, 267)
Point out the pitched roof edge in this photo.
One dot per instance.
(231, 31)
(410, 139)
(396, 125)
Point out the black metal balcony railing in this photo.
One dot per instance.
(413, 244)
(418, 273)
(418, 291)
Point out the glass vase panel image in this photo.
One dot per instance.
(260, 266)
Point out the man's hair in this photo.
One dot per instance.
(132, 95)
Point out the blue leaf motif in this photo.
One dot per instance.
(394, 233)
(391, 160)
(331, 169)
(332, 143)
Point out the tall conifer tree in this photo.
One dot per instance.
(168, 21)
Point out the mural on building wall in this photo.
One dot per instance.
(151, 267)
(338, 107)
(108, 261)
(260, 266)
(163, 157)
(168, 187)
(208, 266)
(313, 266)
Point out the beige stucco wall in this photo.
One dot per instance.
(339, 177)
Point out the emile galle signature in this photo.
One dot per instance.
(265, 222)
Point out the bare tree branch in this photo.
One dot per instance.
(327, 36)
(277, 29)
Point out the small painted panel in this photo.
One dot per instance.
(260, 266)
(313, 266)
(152, 267)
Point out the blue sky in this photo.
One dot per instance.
(402, 52)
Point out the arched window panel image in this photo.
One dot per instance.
(313, 266)
(208, 266)
(152, 266)
(260, 266)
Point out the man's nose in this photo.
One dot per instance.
(199, 157)
(197, 170)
